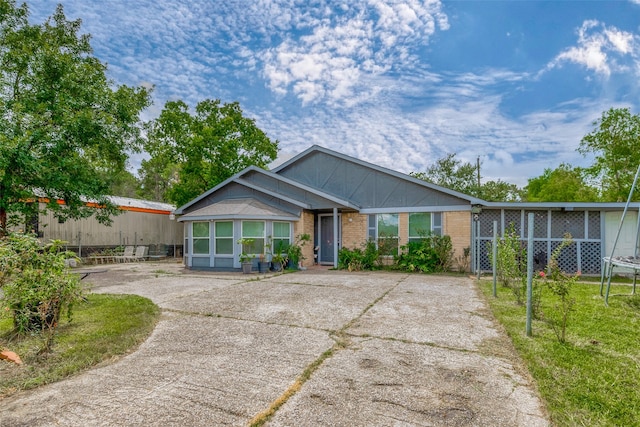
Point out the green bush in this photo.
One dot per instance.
(37, 285)
(511, 273)
(365, 258)
(431, 254)
(560, 284)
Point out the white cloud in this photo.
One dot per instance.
(328, 61)
(601, 49)
(354, 66)
(463, 115)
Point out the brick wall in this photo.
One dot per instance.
(457, 225)
(354, 230)
(305, 226)
(403, 228)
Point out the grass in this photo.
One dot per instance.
(102, 328)
(592, 379)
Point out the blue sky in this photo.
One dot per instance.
(397, 83)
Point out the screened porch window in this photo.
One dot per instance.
(201, 238)
(253, 230)
(224, 238)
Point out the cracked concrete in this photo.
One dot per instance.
(311, 348)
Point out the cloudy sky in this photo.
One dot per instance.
(397, 83)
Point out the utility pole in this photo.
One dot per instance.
(478, 171)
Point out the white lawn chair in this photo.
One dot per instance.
(126, 256)
(140, 254)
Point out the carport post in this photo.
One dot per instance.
(478, 247)
(529, 272)
(495, 257)
(336, 238)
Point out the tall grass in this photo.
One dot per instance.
(593, 378)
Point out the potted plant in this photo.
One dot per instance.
(279, 257)
(263, 264)
(294, 251)
(246, 259)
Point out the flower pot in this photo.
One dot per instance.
(263, 266)
(247, 267)
(292, 265)
(276, 266)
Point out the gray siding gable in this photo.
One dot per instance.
(234, 190)
(275, 184)
(366, 185)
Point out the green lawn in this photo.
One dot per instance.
(594, 378)
(101, 328)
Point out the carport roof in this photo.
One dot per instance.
(245, 208)
(567, 206)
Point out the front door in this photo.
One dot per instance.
(327, 240)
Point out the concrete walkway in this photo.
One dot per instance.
(313, 348)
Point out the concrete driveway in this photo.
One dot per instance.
(312, 348)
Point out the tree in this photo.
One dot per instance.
(500, 191)
(122, 183)
(157, 176)
(62, 123)
(563, 184)
(452, 173)
(614, 142)
(207, 147)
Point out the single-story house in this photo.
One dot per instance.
(341, 201)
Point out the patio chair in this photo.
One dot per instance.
(126, 256)
(140, 254)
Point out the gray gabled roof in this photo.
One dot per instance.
(317, 148)
(239, 179)
(181, 209)
(328, 180)
(238, 208)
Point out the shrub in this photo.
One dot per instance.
(430, 254)
(37, 285)
(365, 258)
(560, 284)
(462, 262)
(509, 270)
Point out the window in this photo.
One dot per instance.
(436, 227)
(201, 238)
(281, 236)
(423, 224)
(224, 238)
(419, 226)
(372, 227)
(388, 234)
(253, 230)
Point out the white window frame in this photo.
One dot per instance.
(207, 238)
(216, 238)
